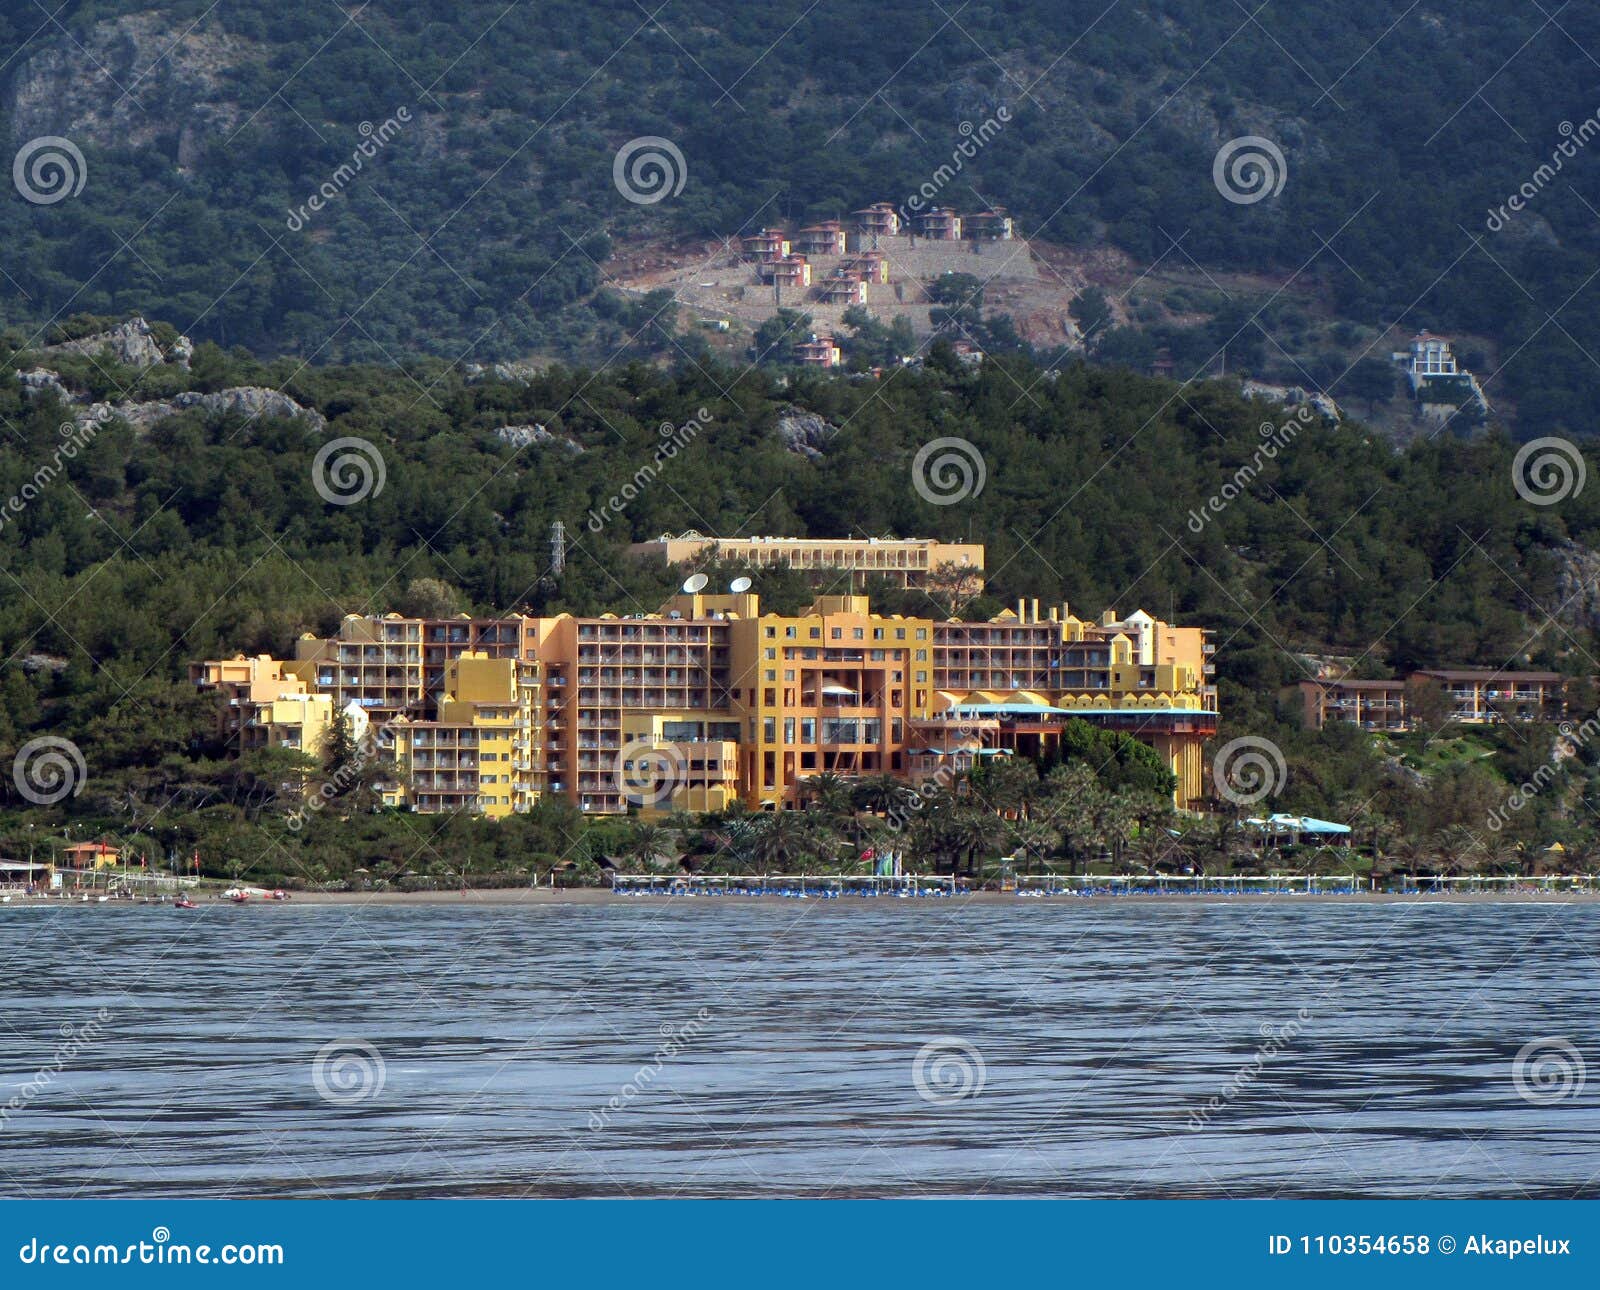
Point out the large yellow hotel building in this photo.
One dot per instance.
(710, 699)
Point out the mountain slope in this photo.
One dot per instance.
(480, 225)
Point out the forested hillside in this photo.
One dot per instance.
(196, 531)
(478, 227)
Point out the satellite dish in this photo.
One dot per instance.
(739, 586)
(695, 583)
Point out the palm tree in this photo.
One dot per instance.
(645, 843)
(784, 838)
(880, 794)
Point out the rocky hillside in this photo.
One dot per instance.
(418, 178)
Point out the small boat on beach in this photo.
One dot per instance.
(183, 902)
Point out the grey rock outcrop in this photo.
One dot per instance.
(528, 436)
(805, 433)
(130, 343)
(249, 401)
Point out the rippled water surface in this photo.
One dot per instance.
(772, 1048)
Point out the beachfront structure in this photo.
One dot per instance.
(905, 562)
(484, 751)
(91, 855)
(391, 664)
(1472, 696)
(712, 700)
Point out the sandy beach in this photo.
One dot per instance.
(513, 896)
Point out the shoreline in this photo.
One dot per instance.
(506, 897)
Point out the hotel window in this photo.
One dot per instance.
(772, 653)
(858, 633)
(922, 676)
(771, 632)
(815, 633)
(922, 633)
(836, 633)
(897, 676)
(808, 730)
(788, 674)
(769, 698)
(877, 633)
(899, 633)
(922, 656)
(769, 729)
(788, 730)
(789, 633)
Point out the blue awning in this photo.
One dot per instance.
(1297, 824)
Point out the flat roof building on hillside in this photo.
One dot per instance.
(907, 562)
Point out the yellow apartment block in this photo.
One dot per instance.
(710, 699)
